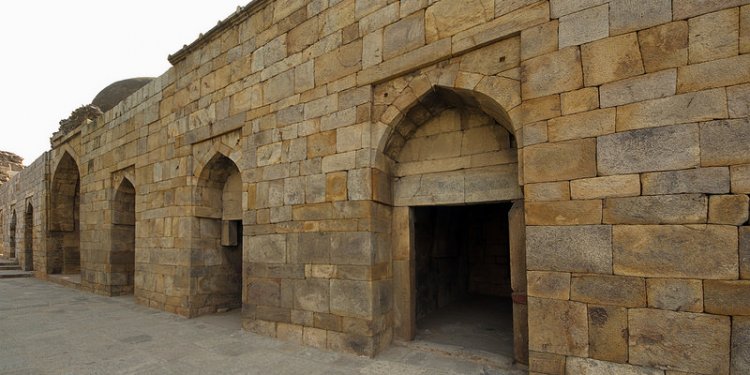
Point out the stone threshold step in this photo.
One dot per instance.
(15, 274)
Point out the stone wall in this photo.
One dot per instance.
(24, 197)
(624, 122)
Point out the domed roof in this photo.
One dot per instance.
(116, 92)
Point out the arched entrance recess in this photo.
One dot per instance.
(63, 252)
(458, 230)
(122, 255)
(28, 238)
(217, 258)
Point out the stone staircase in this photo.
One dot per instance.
(9, 268)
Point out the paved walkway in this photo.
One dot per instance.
(49, 329)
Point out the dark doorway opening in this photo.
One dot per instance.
(28, 239)
(463, 277)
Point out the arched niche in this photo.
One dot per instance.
(122, 254)
(217, 254)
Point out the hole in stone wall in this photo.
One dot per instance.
(463, 277)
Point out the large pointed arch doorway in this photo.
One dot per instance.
(63, 243)
(458, 264)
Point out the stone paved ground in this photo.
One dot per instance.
(49, 329)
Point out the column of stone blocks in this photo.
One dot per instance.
(635, 200)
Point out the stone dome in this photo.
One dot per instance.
(116, 92)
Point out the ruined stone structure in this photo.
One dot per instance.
(332, 165)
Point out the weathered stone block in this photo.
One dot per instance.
(559, 8)
(270, 248)
(606, 187)
(628, 15)
(581, 248)
(552, 73)
(311, 295)
(715, 73)
(714, 35)
(445, 18)
(404, 36)
(582, 125)
(549, 191)
(321, 144)
(558, 327)
(744, 252)
(534, 133)
(646, 150)
(682, 341)
(740, 345)
(336, 186)
(535, 110)
(560, 161)
(636, 89)
(546, 363)
(679, 109)
(555, 285)
(738, 98)
(745, 29)
(690, 8)
(354, 248)
(659, 209)
(585, 99)
(713, 180)
(539, 40)
(728, 209)
(609, 290)
(564, 212)
(584, 26)
(725, 142)
(680, 251)
(664, 46)
(727, 297)
(338, 63)
(608, 333)
(493, 59)
(675, 294)
(289, 332)
(351, 298)
(587, 366)
(611, 59)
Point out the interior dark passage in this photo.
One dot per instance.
(12, 237)
(463, 276)
(28, 239)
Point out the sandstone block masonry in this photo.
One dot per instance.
(275, 165)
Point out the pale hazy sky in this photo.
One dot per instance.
(57, 55)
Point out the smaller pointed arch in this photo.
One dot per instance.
(28, 238)
(12, 234)
(123, 239)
